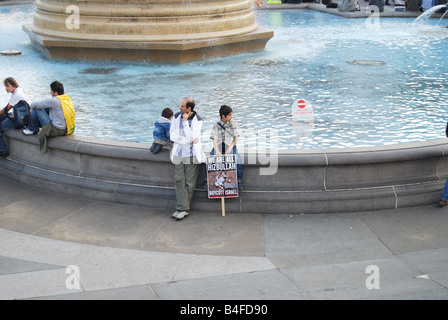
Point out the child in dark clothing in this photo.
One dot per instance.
(161, 133)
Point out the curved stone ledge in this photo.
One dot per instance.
(305, 181)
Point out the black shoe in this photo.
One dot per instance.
(4, 153)
(153, 146)
(157, 148)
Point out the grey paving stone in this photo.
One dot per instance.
(12, 266)
(264, 285)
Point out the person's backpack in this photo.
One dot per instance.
(21, 113)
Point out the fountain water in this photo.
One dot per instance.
(121, 100)
(444, 14)
(428, 13)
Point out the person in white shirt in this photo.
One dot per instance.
(186, 154)
(6, 123)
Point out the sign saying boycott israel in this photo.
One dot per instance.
(221, 176)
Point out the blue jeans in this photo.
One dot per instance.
(444, 195)
(239, 165)
(5, 124)
(38, 119)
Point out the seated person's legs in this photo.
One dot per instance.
(5, 124)
(38, 119)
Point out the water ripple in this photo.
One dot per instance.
(367, 87)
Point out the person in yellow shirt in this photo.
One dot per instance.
(49, 115)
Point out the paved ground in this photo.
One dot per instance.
(131, 252)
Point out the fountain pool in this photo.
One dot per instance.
(368, 86)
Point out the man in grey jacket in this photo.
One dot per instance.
(48, 115)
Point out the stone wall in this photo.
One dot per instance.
(305, 181)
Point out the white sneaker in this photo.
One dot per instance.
(182, 215)
(175, 214)
(28, 132)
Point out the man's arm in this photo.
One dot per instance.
(174, 132)
(45, 104)
(215, 146)
(197, 129)
(230, 148)
(8, 107)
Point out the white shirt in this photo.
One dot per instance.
(182, 134)
(18, 95)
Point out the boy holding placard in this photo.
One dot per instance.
(225, 136)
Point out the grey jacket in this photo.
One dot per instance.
(56, 114)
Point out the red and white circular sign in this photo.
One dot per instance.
(302, 111)
(301, 104)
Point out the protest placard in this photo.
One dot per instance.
(222, 178)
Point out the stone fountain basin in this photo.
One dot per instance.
(305, 181)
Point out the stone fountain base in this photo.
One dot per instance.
(172, 51)
(293, 182)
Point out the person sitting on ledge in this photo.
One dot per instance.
(443, 202)
(6, 123)
(49, 115)
(161, 133)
